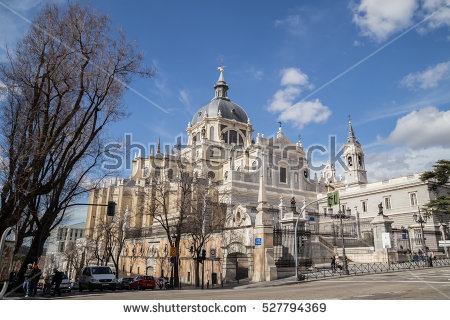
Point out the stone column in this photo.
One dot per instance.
(264, 268)
(380, 225)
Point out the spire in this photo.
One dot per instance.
(221, 86)
(351, 134)
(262, 197)
(158, 148)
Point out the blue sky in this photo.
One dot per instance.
(282, 60)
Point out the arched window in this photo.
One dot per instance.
(360, 161)
(296, 177)
(225, 176)
(254, 165)
(211, 175)
(349, 160)
(145, 171)
(233, 137)
(198, 136)
(157, 172)
(211, 133)
(170, 173)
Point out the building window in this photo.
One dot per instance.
(157, 172)
(225, 175)
(189, 276)
(138, 270)
(413, 199)
(131, 268)
(387, 203)
(123, 268)
(325, 209)
(343, 206)
(198, 136)
(233, 137)
(61, 247)
(211, 133)
(170, 173)
(349, 161)
(364, 206)
(360, 161)
(211, 153)
(211, 175)
(254, 165)
(283, 178)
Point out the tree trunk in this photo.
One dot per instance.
(197, 273)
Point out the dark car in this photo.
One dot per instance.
(124, 283)
(143, 282)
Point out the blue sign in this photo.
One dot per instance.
(257, 241)
(311, 219)
(404, 236)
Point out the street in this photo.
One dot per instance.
(421, 284)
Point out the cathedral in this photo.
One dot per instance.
(262, 184)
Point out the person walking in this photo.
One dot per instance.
(408, 255)
(333, 263)
(57, 279)
(416, 258)
(36, 276)
(27, 284)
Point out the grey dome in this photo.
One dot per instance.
(228, 110)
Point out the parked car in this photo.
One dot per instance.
(124, 283)
(97, 277)
(163, 283)
(143, 282)
(74, 285)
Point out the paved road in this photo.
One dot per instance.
(415, 284)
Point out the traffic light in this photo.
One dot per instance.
(203, 254)
(111, 211)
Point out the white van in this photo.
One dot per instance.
(97, 277)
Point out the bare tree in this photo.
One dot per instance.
(76, 255)
(206, 220)
(182, 211)
(108, 239)
(63, 84)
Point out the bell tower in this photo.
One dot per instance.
(355, 169)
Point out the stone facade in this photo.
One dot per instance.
(221, 149)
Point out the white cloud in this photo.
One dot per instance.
(428, 78)
(293, 81)
(440, 11)
(293, 76)
(402, 161)
(378, 19)
(304, 112)
(293, 24)
(421, 129)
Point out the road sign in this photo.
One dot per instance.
(173, 251)
(212, 253)
(258, 241)
(444, 243)
(311, 219)
(386, 238)
(333, 198)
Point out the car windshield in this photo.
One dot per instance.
(50, 277)
(148, 278)
(101, 270)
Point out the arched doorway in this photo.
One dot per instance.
(237, 266)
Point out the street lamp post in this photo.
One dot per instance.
(342, 215)
(421, 220)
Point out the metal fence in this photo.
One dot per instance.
(367, 268)
(284, 247)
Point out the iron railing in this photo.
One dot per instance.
(367, 268)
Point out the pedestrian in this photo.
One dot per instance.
(27, 284)
(36, 276)
(408, 256)
(57, 278)
(47, 285)
(430, 260)
(333, 263)
(416, 258)
(336, 258)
